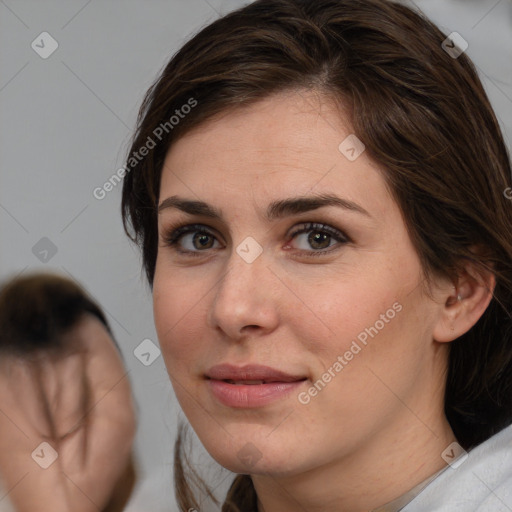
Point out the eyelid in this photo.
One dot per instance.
(171, 235)
(337, 234)
(320, 226)
(173, 232)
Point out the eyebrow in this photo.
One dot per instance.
(275, 210)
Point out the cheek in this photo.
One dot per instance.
(175, 311)
(369, 318)
(331, 316)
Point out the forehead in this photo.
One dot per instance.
(287, 144)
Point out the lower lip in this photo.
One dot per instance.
(251, 395)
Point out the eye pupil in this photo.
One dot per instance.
(319, 238)
(203, 240)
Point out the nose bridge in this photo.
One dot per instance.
(241, 278)
(243, 296)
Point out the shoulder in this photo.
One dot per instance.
(478, 482)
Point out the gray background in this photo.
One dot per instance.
(65, 125)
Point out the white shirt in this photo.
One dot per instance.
(482, 482)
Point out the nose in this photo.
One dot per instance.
(246, 299)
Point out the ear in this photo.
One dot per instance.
(464, 303)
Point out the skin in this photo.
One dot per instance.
(378, 427)
(89, 421)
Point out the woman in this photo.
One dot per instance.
(320, 207)
(67, 417)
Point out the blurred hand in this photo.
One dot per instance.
(78, 400)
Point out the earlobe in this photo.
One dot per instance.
(464, 306)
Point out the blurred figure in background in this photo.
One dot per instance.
(67, 416)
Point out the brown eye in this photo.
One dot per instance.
(191, 239)
(202, 241)
(319, 240)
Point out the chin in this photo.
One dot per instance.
(245, 454)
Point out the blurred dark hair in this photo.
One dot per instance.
(35, 312)
(37, 309)
(424, 118)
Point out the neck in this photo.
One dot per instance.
(388, 465)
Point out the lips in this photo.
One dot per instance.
(250, 374)
(246, 382)
(250, 386)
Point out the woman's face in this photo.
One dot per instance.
(338, 306)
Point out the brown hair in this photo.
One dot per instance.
(423, 116)
(36, 311)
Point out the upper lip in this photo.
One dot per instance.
(250, 372)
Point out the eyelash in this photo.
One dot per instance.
(172, 237)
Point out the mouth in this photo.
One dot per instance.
(250, 386)
(248, 382)
(250, 374)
